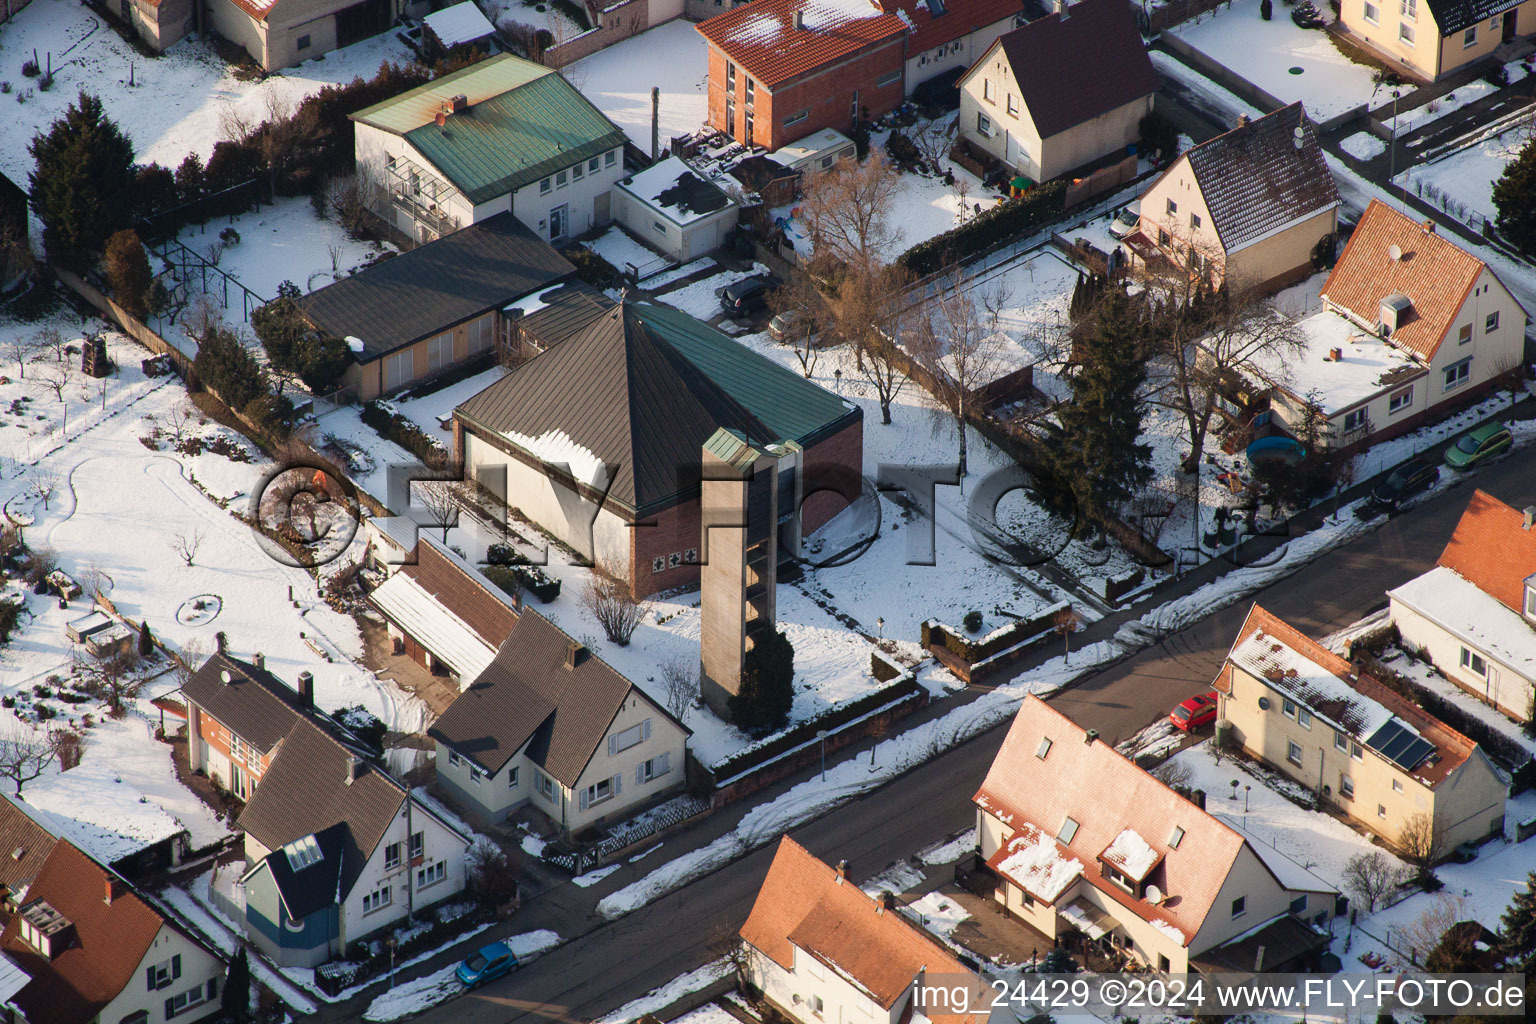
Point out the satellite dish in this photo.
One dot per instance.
(1154, 894)
(1263, 703)
(224, 676)
(1395, 251)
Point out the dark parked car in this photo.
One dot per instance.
(1404, 482)
(747, 296)
(941, 91)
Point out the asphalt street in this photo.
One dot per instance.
(617, 962)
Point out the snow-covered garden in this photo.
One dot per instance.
(672, 57)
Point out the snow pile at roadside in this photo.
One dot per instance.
(679, 986)
(426, 992)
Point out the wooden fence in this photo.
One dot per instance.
(1175, 12)
(1105, 179)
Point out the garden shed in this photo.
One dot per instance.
(671, 208)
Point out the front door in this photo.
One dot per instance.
(1509, 23)
(558, 222)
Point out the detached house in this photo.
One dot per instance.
(1474, 613)
(337, 849)
(1375, 756)
(780, 70)
(1427, 39)
(1087, 847)
(504, 134)
(820, 949)
(1035, 103)
(29, 839)
(1247, 207)
(92, 950)
(551, 725)
(237, 714)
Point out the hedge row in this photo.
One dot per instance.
(806, 730)
(995, 642)
(1007, 220)
(515, 579)
(369, 959)
(393, 427)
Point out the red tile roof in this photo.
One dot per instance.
(109, 940)
(1434, 273)
(960, 18)
(1451, 748)
(762, 38)
(1104, 793)
(1492, 550)
(804, 903)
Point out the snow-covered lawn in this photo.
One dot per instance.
(1465, 177)
(618, 80)
(622, 251)
(534, 13)
(1363, 146)
(1430, 678)
(1471, 92)
(282, 241)
(1288, 62)
(938, 913)
(415, 996)
(178, 100)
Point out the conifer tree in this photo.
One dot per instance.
(1517, 928)
(1514, 196)
(82, 187)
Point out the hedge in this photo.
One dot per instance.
(366, 964)
(806, 730)
(515, 579)
(884, 669)
(396, 428)
(996, 641)
(1003, 222)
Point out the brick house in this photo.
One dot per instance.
(599, 439)
(237, 715)
(1474, 613)
(780, 70)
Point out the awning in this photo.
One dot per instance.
(1088, 919)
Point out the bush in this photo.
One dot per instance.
(592, 268)
(224, 366)
(1498, 77)
(271, 415)
(1266, 9)
(1003, 222)
(1158, 135)
(128, 272)
(396, 428)
(515, 579)
(903, 151)
(10, 612)
(364, 724)
(767, 685)
(972, 621)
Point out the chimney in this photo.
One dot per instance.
(307, 689)
(1242, 120)
(259, 660)
(1429, 227)
(219, 641)
(1198, 796)
(354, 768)
(113, 889)
(460, 103)
(842, 871)
(885, 901)
(1336, 355)
(1258, 960)
(573, 654)
(1530, 517)
(1090, 736)
(799, 20)
(441, 118)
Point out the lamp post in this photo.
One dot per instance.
(1246, 790)
(880, 627)
(1392, 149)
(390, 942)
(821, 734)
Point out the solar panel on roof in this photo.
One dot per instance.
(1400, 745)
(1414, 755)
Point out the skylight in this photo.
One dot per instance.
(1068, 831)
(302, 853)
(1175, 838)
(1045, 747)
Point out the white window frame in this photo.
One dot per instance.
(1474, 662)
(1355, 419)
(1340, 742)
(1346, 787)
(432, 873)
(1405, 33)
(1400, 400)
(1013, 105)
(1372, 13)
(392, 856)
(544, 186)
(599, 792)
(654, 768)
(377, 900)
(610, 157)
(1457, 374)
(1293, 752)
(1287, 707)
(512, 780)
(983, 124)
(1304, 718)
(578, 172)
(1491, 322)
(1409, 9)
(544, 784)
(562, 179)
(1397, 785)
(1239, 907)
(1469, 38)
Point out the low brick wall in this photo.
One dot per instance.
(1218, 73)
(616, 23)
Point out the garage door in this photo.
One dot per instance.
(360, 21)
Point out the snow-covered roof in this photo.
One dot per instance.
(408, 604)
(999, 354)
(12, 978)
(1368, 367)
(1319, 689)
(461, 23)
(1131, 854)
(1037, 863)
(1090, 920)
(109, 820)
(1290, 874)
(798, 153)
(531, 303)
(1459, 607)
(675, 190)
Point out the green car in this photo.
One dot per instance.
(1478, 445)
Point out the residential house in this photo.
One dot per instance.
(551, 725)
(1089, 848)
(1248, 207)
(443, 613)
(1429, 39)
(29, 839)
(460, 24)
(1378, 758)
(1034, 103)
(437, 307)
(819, 949)
(672, 209)
(1474, 613)
(504, 134)
(599, 439)
(237, 715)
(280, 33)
(1434, 319)
(337, 849)
(782, 69)
(93, 949)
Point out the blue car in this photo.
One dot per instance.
(487, 964)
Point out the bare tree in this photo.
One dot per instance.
(44, 480)
(874, 315)
(440, 500)
(178, 418)
(24, 755)
(1066, 622)
(189, 659)
(1424, 935)
(1511, 376)
(94, 580)
(613, 604)
(933, 140)
(804, 311)
(234, 124)
(22, 347)
(111, 677)
(1174, 774)
(680, 685)
(956, 341)
(185, 543)
(52, 337)
(1371, 877)
(489, 873)
(41, 561)
(56, 378)
(1420, 840)
(848, 211)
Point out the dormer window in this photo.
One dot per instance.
(1530, 597)
(44, 928)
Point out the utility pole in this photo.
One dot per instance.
(656, 121)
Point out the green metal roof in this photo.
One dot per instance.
(477, 83)
(517, 137)
(791, 406)
(731, 448)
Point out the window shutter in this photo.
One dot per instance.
(618, 784)
(213, 988)
(584, 799)
(645, 730)
(613, 744)
(664, 764)
(149, 978)
(639, 773)
(175, 966)
(170, 1008)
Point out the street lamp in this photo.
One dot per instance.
(390, 942)
(880, 627)
(821, 734)
(1246, 790)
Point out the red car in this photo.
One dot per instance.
(1197, 711)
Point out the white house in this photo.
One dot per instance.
(502, 134)
(671, 208)
(91, 949)
(1089, 848)
(819, 949)
(1474, 613)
